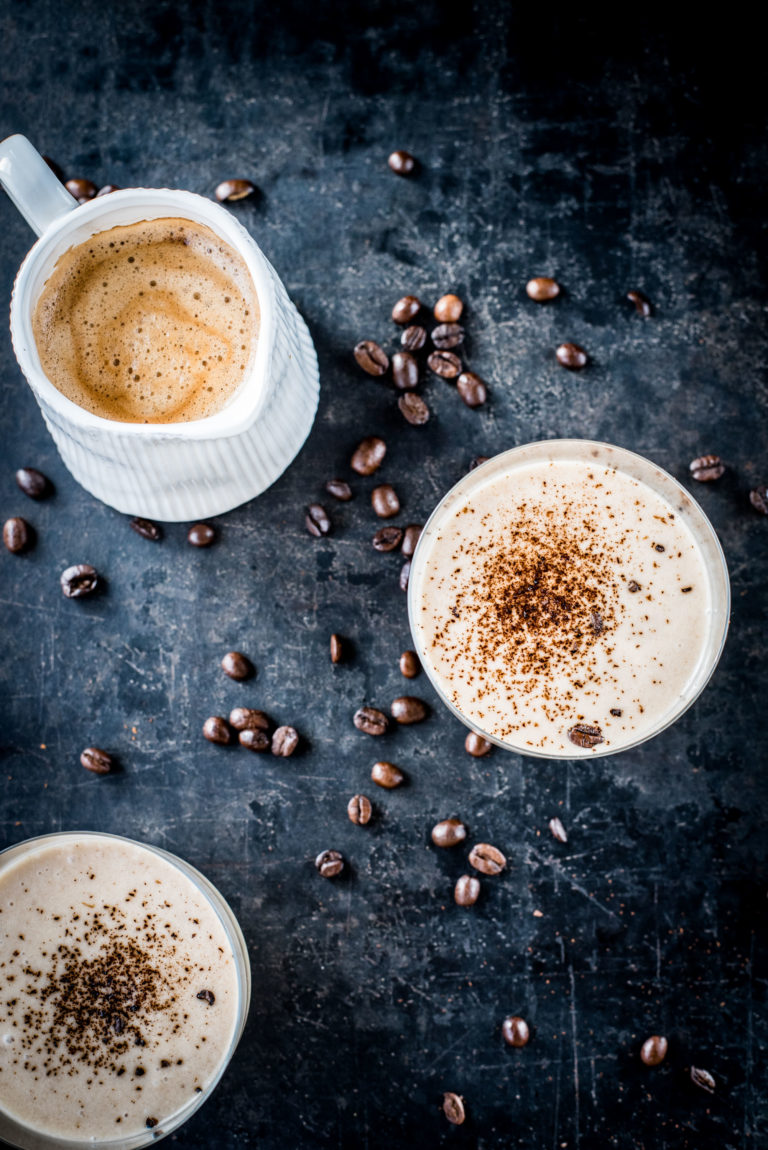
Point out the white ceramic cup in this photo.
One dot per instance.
(171, 471)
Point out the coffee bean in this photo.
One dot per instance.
(384, 501)
(359, 810)
(229, 191)
(654, 1050)
(254, 740)
(448, 833)
(444, 363)
(413, 338)
(33, 483)
(641, 302)
(632, 586)
(317, 521)
(387, 538)
(583, 735)
(339, 490)
(706, 468)
(467, 890)
(370, 721)
(572, 356)
(476, 745)
(409, 664)
(201, 535)
(401, 163)
(453, 1108)
(369, 455)
(206, 996)
(406, 309)
(448, 309)
(472, 389)
(55, 168)
(337, 649)
(284, 742)
(413, 408)
(758, 497)
(371, 357)
(558, 830)
(217, 730)
(448, 335)
(248, 719)
(95, 760)
(107, 189)
(17, 534)
(515, 1031)
(82, 190)
(407, 709)
(237, 665)
(405, 371)
(478, 461)
(411, 537)
(487, 859)
(80, 579)
(405, 575)
(542, 289)
(147, 529)
(330, 863)
(387, 775)
(703, 1079)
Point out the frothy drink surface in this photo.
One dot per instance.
(104, 949)
(154, 322)
(559, 594)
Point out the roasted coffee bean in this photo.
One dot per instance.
(448, 833)
(254, 740)
(147, 529)
(448, 335)
(411, 537)
(387, 538)
(249, 719)
(229, 191)
(758, 497)
(330, 863)
(317, 520)
(472, 389)
(409, 664)
(476, 745)
(413, 408)
(641, 302)
(467, 890)
(633, 586)
(444, 363)
(237, 665)
(654, 1050)
(284, 742)
(401, 163)
(478, 461)
(107, 189)
(371, 357)
(82, 190)
(384, 501)
(95, 760)
(370, 721)
(572, 356)
(201, 535)
(558, 830)
(33, 483)
(413, 338)
(487, 859)
(206, 996)
(706, 468)
(217, 730)
(448, 309)
(387, 775)
(703, 1079)
(337, 648)
(542, 289)
(339, 490)
(407, 709)
(583, 735)
(515, 1031)
(359, 810)
(406, 309)
(17, 534)
(57, 170)
(79, 580)
(405, 575)
(405, 371)
(369, 455)
(453, 1108)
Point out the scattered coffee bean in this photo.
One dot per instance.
(409, 664)
(284, 742)
(407, 709)
(405, 576)
(472, 389)
(405, 371)
(411, 537)
(641, 302)
(217, 730)
(572, 356)
(758, 497)
(371, 357)
(317, 520)
(237, 665)
(254, 740)
(703, 1079)
(147, 529)
(406, 309)
(487, 859)
(206, 996)
(467, 890)
(82, 190)
(248, 719)
(80, 579)
(201, 535)
(448, 335)
(654, 1050)
(413, 408)
(369, 455)
(95, 760)
(478, 461)
(583, 735)
(453, 1108)
(107, 189)
(401, 163)
(33, 483)
(330, 863)
(387, 538)
(229, 191)
(370, 721)
(616, 712)
(444, 363)
(448, 309)
(384, 501)
(339, 490)
(558, 830)
(542, 289)
(413, 338)
(707, 468)
(476, 745)
(448, 833)
(17, 534)
(387, 775)
(633, 586)
(359, 810)
(337, 649)
(515, 1031)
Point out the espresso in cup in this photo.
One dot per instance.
(152, 322)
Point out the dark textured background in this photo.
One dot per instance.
(612, 157)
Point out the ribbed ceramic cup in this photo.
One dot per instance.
(172, 471)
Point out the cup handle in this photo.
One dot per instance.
(31, 185)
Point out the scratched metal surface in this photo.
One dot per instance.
(612, 163)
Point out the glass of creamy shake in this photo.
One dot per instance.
(124, 989)
(568, 598)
